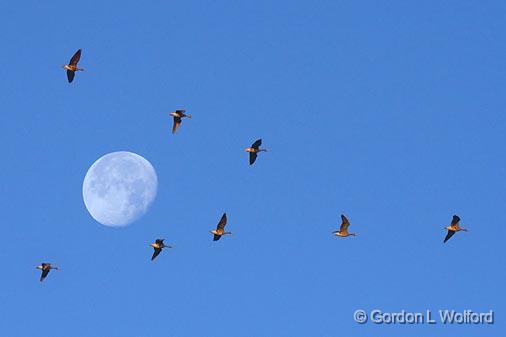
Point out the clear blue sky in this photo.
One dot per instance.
(390, 112)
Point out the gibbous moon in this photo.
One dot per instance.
(119, 188)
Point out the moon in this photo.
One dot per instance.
(119, 188)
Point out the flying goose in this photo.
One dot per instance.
(45, 268)
(254, 150)
(453, 228)
(72, 66)
(220, 228)
(343, 230)
(158, 245)
(178, 115)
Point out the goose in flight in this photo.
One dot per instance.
(72, 66)
(158, 245)
(343, 230)
(45, 268)
(178, 116)
(453, 228)
(254, 150)
(220, 228)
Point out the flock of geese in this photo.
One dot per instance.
(253, 151)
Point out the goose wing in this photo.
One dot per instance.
(344, 223)
(70, 75)
(75, 58)
(256, 144)
(252, 157)
(176, 124)
(44, 274)
(449, 235)
(222, 223)
(156, 253)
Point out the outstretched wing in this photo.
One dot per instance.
(70, 75)
(75, 58)
(44, 274)
(449, 235)
(256, 144)
(455, 220)
(222, 223)
(156, 253)
(344, 224)
(177, 123)
(159, 241)
(216, 237)
(252, 157)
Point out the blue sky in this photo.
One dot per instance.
(392, 113)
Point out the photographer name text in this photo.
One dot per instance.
(446, 316)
